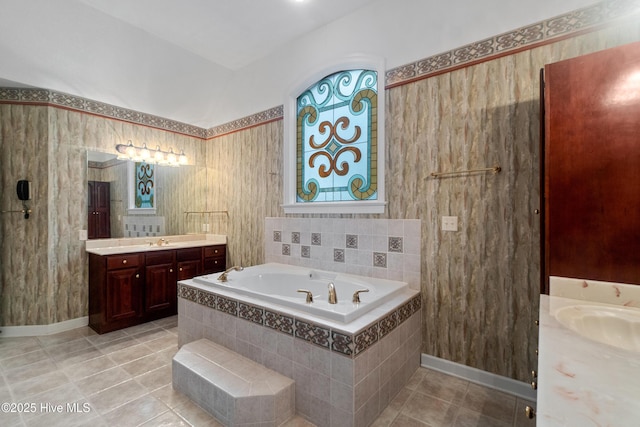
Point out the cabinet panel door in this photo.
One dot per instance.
(592, 156)
(123, 294)
(160, 287)
(188, 269)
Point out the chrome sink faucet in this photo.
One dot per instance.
(223, 276)
(333, 297)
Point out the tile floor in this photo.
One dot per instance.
(80, 378)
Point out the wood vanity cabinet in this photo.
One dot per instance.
(115, 291)
(128, 289)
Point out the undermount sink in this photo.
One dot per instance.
(618, 327)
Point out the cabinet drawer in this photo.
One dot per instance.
(212, 265)
(214, 251)
(161, 257)
(189, 254)
(123, 261)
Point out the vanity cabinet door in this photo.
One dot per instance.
(189, 263)
(123, 296)
(160, 285)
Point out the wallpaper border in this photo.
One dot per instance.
(567, 25)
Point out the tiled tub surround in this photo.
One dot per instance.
(345, 374)
(383, 248)
(581, 381)
(145, 244)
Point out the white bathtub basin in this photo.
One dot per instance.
(619, 327)
(279, 284)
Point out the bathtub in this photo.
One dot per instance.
(279, 283)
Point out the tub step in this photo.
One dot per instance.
(235, 390)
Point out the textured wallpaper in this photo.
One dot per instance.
(479, 285)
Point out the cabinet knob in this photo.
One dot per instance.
(534, 385)
(537, 322)
(215, 262)
(215, 251)
(529, 412)
(171, 270)
(138, 276)
(124, 261)
(536, 211)
(180, 268)
(534, 374)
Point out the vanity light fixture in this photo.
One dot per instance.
(143, 154)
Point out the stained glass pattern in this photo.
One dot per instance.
(336, 138)
(144, 185)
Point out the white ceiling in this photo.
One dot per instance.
(209, 62)
(230, 33)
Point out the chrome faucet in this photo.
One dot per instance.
(333, 298)
(223, 276)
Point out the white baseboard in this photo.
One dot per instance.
(478, 376)
(38, 330)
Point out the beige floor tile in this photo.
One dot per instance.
(78, 357)
(116, 345)
(38, 384)
(405, 421)
(444, 387)
(297, 421)
(468, 418)
(136, 412)
(88, 368)
(168, 419)
(121, 394)
(156, 379)
(143, 365)
(108, 337)
(10, 347)
(102, 381)
(489, 402)
(166, 342)
(67, 393)
(27, 372)
(424, 407)
(169, 396)
(152, 334)
(23, 359)
(130, 354)
(195, 415)
(66, 337)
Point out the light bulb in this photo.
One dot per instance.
(158, 156)
(144, 153)
(171, 157)
(183, 158)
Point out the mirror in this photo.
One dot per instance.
(180, 199)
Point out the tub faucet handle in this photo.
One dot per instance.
(356, 295)
(309, 295)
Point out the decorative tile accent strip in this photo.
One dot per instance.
(295, 237)
(350, 345)
(59, 99)
(380, 259)
(251, 313)
(352, 241)
(338, 255)
(227, 305)
(305, 251)
(388, 324)
(286, 249)
(279, 322)
(342, 343)
(366, 338)
(314, 334)
(530, 35)
(262, 117)
(316, 239)
(395, 244)
(277, 236)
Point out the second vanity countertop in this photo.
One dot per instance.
(146, 244)
(583, 382)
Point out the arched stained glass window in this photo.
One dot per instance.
(336, 138)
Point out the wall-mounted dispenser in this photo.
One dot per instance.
(24, 189)
(24, 193)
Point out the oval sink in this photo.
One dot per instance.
(619, 327)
